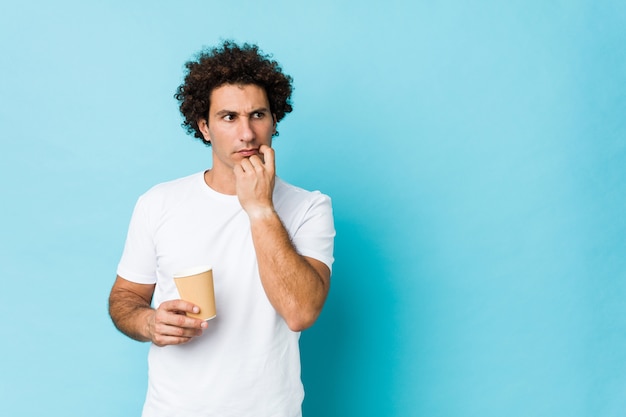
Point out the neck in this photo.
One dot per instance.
(223, 183)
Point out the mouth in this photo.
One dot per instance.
(248, 152)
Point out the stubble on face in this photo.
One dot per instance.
(239, 122)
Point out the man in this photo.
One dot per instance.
(270, 245)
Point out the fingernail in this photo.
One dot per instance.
(196, 310)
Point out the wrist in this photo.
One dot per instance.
(262, 214)
(147, 321)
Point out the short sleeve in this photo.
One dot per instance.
(138, 262)
(314, 238)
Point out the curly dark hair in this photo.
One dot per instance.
(230, 63)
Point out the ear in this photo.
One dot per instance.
(203, 126)
(275, 123)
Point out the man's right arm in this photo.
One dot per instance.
(130, 310)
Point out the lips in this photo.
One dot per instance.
(248, 152)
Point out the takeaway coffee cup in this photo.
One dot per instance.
(196, 286)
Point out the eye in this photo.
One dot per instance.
(229, 117)
(258, 115)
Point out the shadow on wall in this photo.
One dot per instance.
(348, 356)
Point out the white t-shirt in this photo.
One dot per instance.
(247, 363)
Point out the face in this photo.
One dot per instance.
(239, 122)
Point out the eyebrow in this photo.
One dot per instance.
(225, 111)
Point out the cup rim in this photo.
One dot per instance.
(194, 270)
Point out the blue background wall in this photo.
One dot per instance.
(474, 152)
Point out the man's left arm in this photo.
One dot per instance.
(295, 285)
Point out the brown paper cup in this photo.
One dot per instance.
(196, 286)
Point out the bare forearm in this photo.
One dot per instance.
(294, 287)
(130, 314)
(129, 307)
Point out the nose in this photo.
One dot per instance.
(246, 134)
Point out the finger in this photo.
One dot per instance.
(179, 305)
(172, 313)
(165, 334)
(268, 157)
(256, 162)
(170, 332)
(166, 330)
(245, 165)
(164, 340)
(182, 321)
(238, 170)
